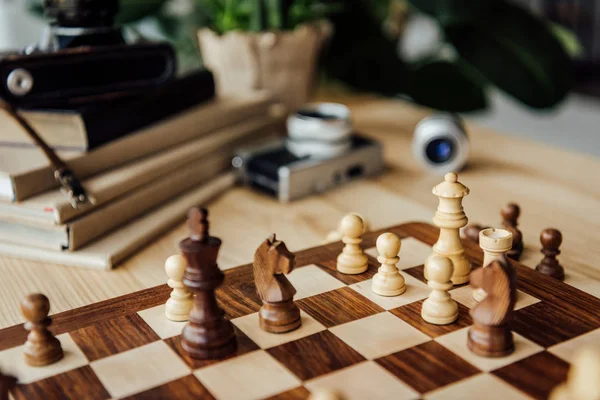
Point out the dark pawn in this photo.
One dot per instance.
(7, 382)
(490, 336)
(510, 215)
(208, 334)
(551, 240)
(41, 347)
(472, 232)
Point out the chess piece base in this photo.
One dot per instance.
(176, 317)
(490, 341)
(212, 342)
(352, 264)
(439, 313)
(279, 317)
(178, 312)
(479, 294)
(388, 292)
(52, 354)
(556, 272)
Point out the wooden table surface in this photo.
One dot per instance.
(554, 187)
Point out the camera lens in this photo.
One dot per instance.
(82, 13)
(440, 150)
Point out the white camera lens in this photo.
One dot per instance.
(440, 143)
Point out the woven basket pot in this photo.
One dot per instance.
(283, 62)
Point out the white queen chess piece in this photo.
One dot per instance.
(439, 308)
(388, 281)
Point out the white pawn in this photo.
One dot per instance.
(388, 281)
(179, 305)
(352, 260)
(439, 308)
(582, 380)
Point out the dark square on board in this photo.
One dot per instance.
(187, 387)
(411, 313)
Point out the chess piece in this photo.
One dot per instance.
(510, 214)
(208, 334)
(352, 259)
(7, 382)
(272, 261)
(325, 395)
(336, 235)
(450, 217)
(439, 308)
(551, 240)
(494, 243)
(490, 336)
(582, 379)
(388, 281)
(179, 305)
(471, 232)
(41, 347)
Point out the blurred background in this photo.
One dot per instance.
(523, 67)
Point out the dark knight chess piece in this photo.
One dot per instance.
(272, 261)
(208, 334)
(490, 336)
(510, 215)
(551, 240)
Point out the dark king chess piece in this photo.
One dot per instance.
(551, 240)
(490, 336)
(510, 215)
(41, 347)
(208, 334)
(272, 260)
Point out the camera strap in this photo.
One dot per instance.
(70, 185)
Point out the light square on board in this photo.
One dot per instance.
(164, 327)
(415, 290)
(139, 369)
(252, 376)
(366, 380)
(311, 280)
(12, 362)
(250, 326)
(464, 295)
(482, 386)
(567, 350)
(457, 343)
(379, 335)
(413, 252)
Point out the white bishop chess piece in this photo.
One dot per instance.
(388, 281)
(179, 305)
(439, 308)
(352, 260)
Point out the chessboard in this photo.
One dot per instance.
(351, 340)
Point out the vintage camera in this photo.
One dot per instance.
(82, 57)
(440, 143)
(320, 152)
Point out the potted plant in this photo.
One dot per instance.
(265, 44)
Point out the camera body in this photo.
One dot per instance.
(82, 57)
(440, 143)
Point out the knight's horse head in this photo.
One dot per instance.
(279, 256)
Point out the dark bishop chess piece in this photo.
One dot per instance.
(471, 232)
(7, 382)
(551, 240)
(208, 334)
(272, 260)
(490, 336)
(510, 215)
(41, 347)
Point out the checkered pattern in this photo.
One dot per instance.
(363, 345)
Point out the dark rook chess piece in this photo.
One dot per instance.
(208, 334)
(510, 215)
(490, 336)
(272, 260)
(551, 240)
(41, 347)
(7, 382)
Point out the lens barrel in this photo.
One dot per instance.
(82, 13)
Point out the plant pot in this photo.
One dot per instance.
(282, 62)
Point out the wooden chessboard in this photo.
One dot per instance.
(351, 340)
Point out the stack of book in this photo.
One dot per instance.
(144, 166)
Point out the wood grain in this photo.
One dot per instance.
(427, 367)
(547, 368)
(411, 314)
(300, 393)
(187, 387)
(315, 355)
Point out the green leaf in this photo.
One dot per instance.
(134, 10)
(515, 51)
(446, 86)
